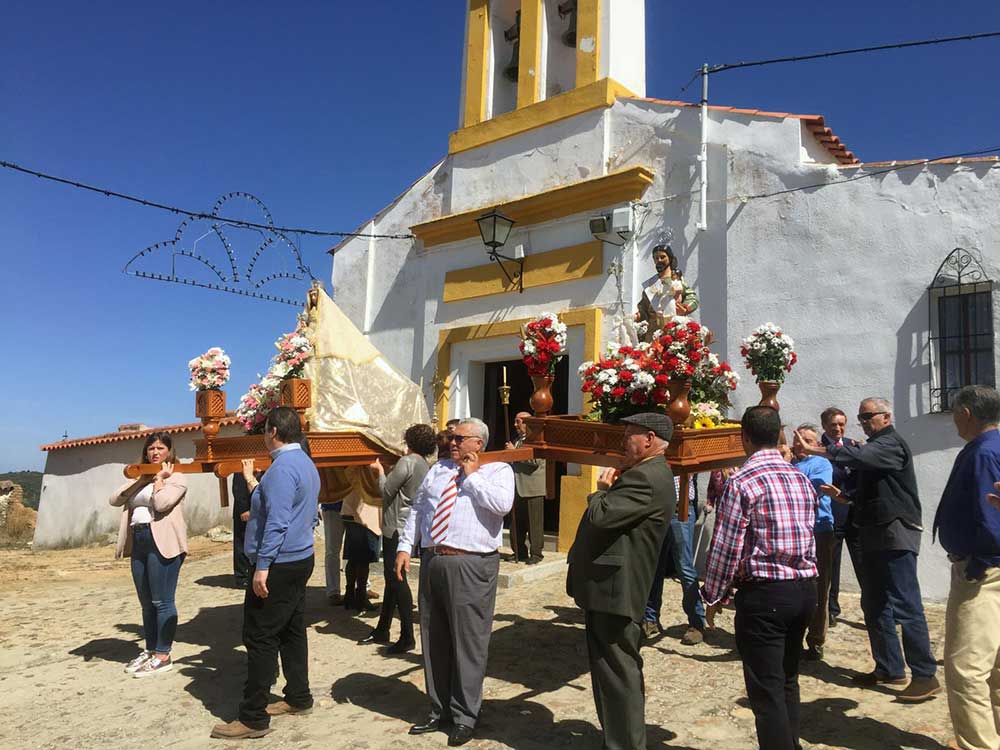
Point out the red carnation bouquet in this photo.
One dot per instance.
(680, 349)
(543, 344)
(623, 382)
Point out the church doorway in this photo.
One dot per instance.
(520, 391)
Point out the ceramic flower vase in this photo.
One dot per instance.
(679, 407)
(541, 399)
(768, 393)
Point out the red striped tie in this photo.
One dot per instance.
(439, 524)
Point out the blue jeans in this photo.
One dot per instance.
(678, 544)
(890, 595)
(155, 580)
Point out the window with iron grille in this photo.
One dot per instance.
(961, 328)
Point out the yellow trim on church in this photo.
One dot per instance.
(541, 269)
(600, 94)
(477, 62)
(529, 61)
(588, 42)
(574, 489)
(586, 195)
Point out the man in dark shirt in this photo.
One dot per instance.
(888, 516)
(834, 423)
(969, 529)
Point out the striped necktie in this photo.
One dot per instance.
(439, 524)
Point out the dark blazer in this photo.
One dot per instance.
(846, 480)
(613, 558)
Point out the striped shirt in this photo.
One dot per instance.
(475, 523)
(763, 527)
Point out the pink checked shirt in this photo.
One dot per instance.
(763, 527)
(476, 522)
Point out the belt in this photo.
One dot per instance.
(442, 549)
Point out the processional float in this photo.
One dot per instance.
(354, 406)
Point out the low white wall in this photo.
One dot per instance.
(73, 510)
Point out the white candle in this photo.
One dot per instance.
(505, 374)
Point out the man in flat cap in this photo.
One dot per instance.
(611, 568)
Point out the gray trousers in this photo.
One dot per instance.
(616, 675)
(456, 599)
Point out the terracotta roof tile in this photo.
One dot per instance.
(815, 124)
(116, 437)
(907, 162)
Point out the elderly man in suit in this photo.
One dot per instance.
(611, 568)
(529, 499)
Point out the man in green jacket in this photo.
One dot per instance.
(611, 568)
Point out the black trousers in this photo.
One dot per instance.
(771, 618)
(848, 537)
(241, 563)
(272, 626)
(616, 676)
(530, 515)
(397, 594)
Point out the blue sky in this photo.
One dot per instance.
(326, 111)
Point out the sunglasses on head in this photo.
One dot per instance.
(868, 416)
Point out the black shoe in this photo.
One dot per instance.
(813, 653)
(401, 646)
(534, 560)
(833, 620)
(432, 724)
(508, 557)
(374, 637)
(459, 735)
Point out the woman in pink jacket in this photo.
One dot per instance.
(153, 534)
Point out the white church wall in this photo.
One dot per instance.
(78, 482)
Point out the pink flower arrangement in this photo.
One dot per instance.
(210, 371)
(294, 350)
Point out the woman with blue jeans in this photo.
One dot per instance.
(153, 533)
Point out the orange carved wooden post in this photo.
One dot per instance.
(297, 393)
(210, 408)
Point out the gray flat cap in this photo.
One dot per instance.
(655, 422)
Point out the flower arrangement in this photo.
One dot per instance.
(623, 382)
(769, 353)
(679, 349)
(543, 344)
(706, 415)
(210, 371)
(713, 381)
(294, 350)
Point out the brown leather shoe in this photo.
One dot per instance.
(650, 630)
(692, 636)
(280, 708)
(237, 730)
(873, 678)
(920, 689)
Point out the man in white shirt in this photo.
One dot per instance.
(456, 521)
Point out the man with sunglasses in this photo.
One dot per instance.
(888, 516)
(456, 521)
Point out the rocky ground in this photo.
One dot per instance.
(70, 620)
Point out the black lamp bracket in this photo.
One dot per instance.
(518, 277)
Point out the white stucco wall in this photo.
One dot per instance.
(78, 482)
(844, 268)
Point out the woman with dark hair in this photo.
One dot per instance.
(153, 533)
(398, 490)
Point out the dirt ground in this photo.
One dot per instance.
(70, 620)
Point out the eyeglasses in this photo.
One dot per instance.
(868, 416)
(460, 438)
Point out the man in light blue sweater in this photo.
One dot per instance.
(279, 543)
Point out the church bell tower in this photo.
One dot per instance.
(520, 54)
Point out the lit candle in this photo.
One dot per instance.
(505, 374)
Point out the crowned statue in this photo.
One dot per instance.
(665, 296)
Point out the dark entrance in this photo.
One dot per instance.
(520, 391)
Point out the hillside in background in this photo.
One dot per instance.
(31, 483)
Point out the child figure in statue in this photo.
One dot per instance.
(665, 296)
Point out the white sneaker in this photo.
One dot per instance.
(137, 662)
(153, 665)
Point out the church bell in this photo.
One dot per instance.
(513, 36)
(568, 8)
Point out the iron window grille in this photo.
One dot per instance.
(961, 328)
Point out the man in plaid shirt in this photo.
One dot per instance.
(763, 545)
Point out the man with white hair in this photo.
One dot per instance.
(456, 522)
(888, 517)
